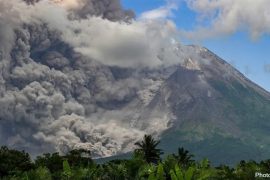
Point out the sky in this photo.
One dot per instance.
(237, 31)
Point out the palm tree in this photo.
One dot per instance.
(183, 157)
(148, 149)
(79, 157)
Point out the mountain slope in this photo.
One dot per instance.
(209, 107)
(220, 114)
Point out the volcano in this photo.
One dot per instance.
(210, 107)
(101, 83)
(220, 113)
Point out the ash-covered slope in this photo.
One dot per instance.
(220, 114)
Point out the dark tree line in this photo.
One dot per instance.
(145, 163)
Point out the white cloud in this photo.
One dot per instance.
(229, 16)
(160, 13)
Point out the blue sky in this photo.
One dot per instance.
(246, 54)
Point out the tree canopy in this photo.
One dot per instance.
(145, 164)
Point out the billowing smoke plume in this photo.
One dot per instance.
(107, 9)
(62, 81)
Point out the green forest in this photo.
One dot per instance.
(145, 164)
